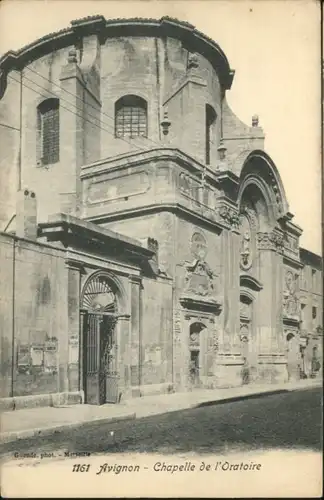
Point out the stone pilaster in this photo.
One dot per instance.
(135, 337)
(73, 358)
(123, 335)
(269, 320)
(71, 135)
(231, 290)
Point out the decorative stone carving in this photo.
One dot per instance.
(291, 243)
(251, 215)
(199, 278)
(177, 326)
(247, 242)
(290, 299)
(291, 282)
(165, 123)
(194, 339)
(192, 61)
(72, 57)
(229, 215)
(255, 121)
(270, 241)
(245, 310)
(198, 246)
(244, 332)
(246, 260)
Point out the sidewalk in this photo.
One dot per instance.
(21, 424)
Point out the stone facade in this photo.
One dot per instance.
(157, 261)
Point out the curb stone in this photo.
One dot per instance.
(233, 399)
(7, 437)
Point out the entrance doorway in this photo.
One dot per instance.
(100, 375)
(194, 352)
(194, 368)
(100, 348)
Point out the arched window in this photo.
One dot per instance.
(48, 126)
(131, 117)
(210, 120)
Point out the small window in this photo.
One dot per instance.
(131, 117)
(210, 121)
(48, 125)
(314, 312)
(303, 312)
(314, 279)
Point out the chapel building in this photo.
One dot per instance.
(147, 245)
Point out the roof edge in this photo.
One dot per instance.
(100, 25)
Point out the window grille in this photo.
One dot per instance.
(131, 117)
(48, 132)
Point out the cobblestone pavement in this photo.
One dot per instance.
(285, 421)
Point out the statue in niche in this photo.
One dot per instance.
(246, 259)
(291, 282)
(198, 246)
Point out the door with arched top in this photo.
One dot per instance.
(99, 315)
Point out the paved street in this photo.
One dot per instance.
(286, 420)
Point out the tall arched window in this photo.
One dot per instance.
(210, 120)
(48, 125)
(131, 117)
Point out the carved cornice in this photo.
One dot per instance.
(75, 265)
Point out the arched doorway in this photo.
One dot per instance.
(99, 314)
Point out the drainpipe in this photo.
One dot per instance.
(13, 317)
(20, 133)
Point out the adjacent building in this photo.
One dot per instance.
(147, 244)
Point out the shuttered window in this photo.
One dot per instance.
(48, 132)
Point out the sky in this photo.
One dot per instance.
(274, 48)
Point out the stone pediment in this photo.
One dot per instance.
(250, 282)
(199, 303)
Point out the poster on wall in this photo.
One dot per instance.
(73, 350)
(37, 355)
(23, 357)
(50, 356)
